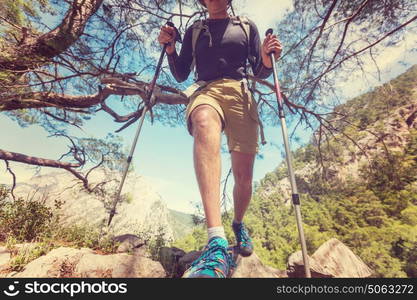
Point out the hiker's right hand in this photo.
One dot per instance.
(167, 36)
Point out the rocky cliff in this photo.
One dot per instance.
(366, 126)
(141, 210)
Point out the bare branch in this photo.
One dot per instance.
(14, 179)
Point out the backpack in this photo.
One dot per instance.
(200, 25)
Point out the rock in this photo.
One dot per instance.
(252, 267)
(4, 258)
(332, 259)
(119, 266)
(128, 242)
(277, 273)
(11, 274)
(295, 267)
(142, 251)
(185, 261)
(338, 260)
(69, 262)
(169, 258)
(59, 262)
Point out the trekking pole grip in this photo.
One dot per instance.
(271, 54)
(277, 86)
(177, 33)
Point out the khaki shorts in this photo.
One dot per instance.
(237, 109)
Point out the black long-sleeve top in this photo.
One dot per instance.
(227, 56)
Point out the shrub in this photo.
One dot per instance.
(87, 236)
(32, 220)
(24, 255)
(26, 220)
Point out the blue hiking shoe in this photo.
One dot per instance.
(214, 262)
(243, 239)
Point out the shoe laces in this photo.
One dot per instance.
(242, 234)
(211, 260)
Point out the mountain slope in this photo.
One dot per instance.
(365, 196)
(181, 223)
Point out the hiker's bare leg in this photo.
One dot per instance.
(206, 130)
(242, 167)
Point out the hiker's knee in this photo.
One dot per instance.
(243, 179)
(243, 175)
(242, 166)
(204, 118)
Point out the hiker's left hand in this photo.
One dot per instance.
(271, 44)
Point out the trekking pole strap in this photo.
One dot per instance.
(296, 199)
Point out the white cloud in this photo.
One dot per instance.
(388, 62)
(22, 172)
(265, 13)
(398, 53)
(176, 195)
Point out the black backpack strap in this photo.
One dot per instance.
(197, 28)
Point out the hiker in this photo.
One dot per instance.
(222, 102)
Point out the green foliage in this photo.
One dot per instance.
(193, 241)
(157, 242)
(33, 221)
(3, 192)
(181, 223)
(86, 236)
(24, 255)
(409, 215)
(17, 11)
(369, 108)
(26, 220)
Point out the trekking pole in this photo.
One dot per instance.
(148, 105)
(295, 196)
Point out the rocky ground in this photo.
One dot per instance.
(332, 259)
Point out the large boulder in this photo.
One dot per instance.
(185, 262)
(69, 262)
(337, 259)
(118, 266)
(295, 267)
(332, 259)
(252, 267)
(59, 262)
(169, 258)
(128, 242)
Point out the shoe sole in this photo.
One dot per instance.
(245, 254)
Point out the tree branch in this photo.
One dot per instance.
(14, 178)
(39, 50)
(37, 161)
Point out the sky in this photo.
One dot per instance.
(164, 154)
